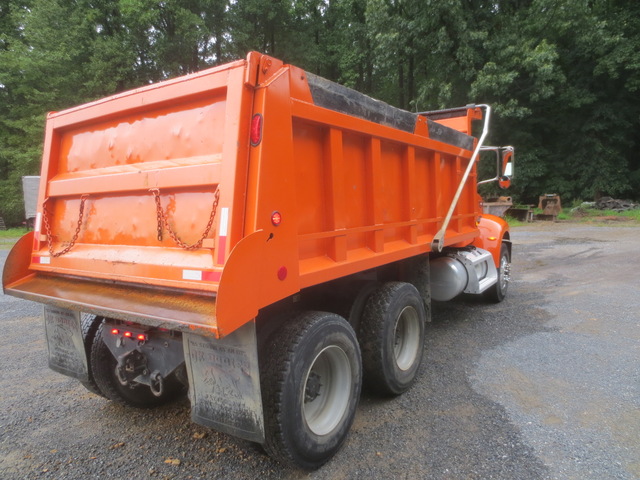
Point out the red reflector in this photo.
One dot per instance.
(142, 337)
(256, 129)
(128, 334)
(115, 331)
(276, 218)
(282, 273)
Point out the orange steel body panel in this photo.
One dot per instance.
(352, 194)
(462, 123)
(492, 232)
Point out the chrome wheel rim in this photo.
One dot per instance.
(407, 338)
(505, 273)
(327, 390)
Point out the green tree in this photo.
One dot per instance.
(38, 73)
(260, 25)
(562, 75)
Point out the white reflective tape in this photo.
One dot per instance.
(192, 275)
(45, 260)
(224, 222)
(38, 222)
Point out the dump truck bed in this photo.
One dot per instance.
(193, 203)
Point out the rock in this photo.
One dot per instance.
(608, 203)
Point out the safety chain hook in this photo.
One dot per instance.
(163, 221)
(47, 227)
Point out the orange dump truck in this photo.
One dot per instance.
(260, 236)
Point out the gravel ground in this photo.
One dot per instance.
(545, 385)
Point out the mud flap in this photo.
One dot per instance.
(224, 382)
(65, 342)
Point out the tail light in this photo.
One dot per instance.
(256, 129)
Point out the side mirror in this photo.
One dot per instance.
(504, 166)
(504, 182)
(507, 162)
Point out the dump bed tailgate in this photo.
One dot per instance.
(137, 191)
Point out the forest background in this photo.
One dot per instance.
(563, 76)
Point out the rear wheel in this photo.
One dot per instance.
(90, 324)
(103, 367)
(310, 380)
(498, 292)
(392, 338)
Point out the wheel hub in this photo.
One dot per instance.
(312, 389)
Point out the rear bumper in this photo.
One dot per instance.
(164, 308)
(173, 310)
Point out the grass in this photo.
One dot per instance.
(514, 222)
(10, 236)
(589, 215)
(13, 232)
(630, 214)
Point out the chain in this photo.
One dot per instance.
(159, 213)
(163, 221)
(47, 227)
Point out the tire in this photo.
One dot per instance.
(359, 302)
(90, 325)
(392, 338)
(310, 379)
(103, 367)
(498, 292)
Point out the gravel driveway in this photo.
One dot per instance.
(545, 385)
